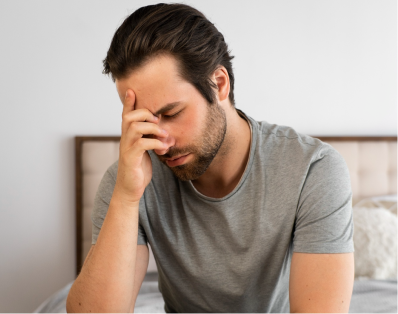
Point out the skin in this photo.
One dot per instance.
(157, 84)
(321, 283)
(318, 282)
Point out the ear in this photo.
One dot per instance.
(221, 78)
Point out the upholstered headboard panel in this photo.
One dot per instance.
(372, 162)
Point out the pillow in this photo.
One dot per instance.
(386, 201)
(375, 239)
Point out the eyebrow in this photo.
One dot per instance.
(167, 108)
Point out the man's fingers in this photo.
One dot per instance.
(137, 123)
(144, 128)
(129, 101)
(140, 115)
(144, 144)
(138, 130)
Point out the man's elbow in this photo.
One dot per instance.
(69, 305)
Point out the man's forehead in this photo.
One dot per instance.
(154, 89)
(155, 104)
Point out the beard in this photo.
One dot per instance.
(204, 148)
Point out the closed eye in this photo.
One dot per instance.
(172, 116)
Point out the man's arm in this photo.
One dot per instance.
(141, 267)
(321, 283)
(108, 279)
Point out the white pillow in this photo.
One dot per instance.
(386, 201)
(375, 240)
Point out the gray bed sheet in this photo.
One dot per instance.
(369, 296)
(374, 296)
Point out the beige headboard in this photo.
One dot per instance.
(372, 162)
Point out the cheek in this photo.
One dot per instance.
(187, 130)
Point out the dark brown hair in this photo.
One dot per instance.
(175, 29)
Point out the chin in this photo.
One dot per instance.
(191, 171)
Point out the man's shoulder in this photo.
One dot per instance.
(287, 141)
(282, 133)
(284, 143)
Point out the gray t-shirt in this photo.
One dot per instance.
(233, 254)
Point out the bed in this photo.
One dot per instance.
(372, 163)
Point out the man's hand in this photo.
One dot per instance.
(135, 167)
(115, 267)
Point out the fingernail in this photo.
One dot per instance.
(164, 131)
(127, 94)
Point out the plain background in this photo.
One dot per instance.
(321, 67)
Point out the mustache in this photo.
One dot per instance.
(173, 152)
(176, 151)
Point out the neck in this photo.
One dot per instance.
(227, 168)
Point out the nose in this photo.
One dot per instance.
(169, 140)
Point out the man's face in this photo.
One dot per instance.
(196, 129)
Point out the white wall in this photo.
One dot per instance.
(322, 67)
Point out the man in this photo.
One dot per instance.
(242, 216)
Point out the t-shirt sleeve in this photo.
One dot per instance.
(324, 220)
(101, 205)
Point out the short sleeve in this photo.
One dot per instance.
(324, 220)
(101, 204)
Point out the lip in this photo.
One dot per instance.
(176, 161)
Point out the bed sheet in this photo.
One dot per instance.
(369, 296)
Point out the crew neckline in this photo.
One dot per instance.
(242, 180)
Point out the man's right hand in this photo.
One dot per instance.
(112, 274)
(135, 166)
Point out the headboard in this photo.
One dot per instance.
(372, 163)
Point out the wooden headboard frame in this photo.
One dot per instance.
(79, 140)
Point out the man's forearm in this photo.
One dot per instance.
(105, 283)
